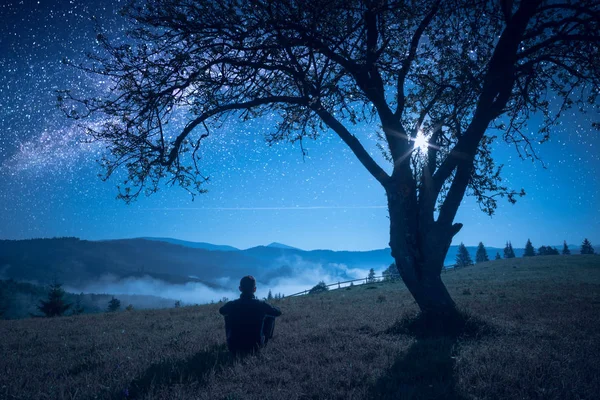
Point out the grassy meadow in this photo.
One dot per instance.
(535, 335)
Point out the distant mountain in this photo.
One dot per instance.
(282, 246)
(194, 245)
(79, 263)
(76, 262)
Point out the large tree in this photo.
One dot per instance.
(451, 75)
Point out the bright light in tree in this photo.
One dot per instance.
(420, 141)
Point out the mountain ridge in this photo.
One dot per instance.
(78, 262)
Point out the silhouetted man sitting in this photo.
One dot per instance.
(249, 322)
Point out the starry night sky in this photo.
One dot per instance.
(257, 193)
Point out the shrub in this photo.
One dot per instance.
(319, 288)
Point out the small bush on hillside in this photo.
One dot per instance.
(319, 288)
(547, 251)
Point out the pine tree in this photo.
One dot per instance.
(529, 250)
(463, 258)
(319, 287)
(498, 256)
(78, 308)
(371, 277)
(508, 251)
(270, 295)
(586, 247)
(55, 306)
(114, 305)
(481, 255)
(565, 249)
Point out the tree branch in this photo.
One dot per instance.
(406, 64)
(353, 143)
(228, 107)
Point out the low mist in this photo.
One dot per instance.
(295, 275)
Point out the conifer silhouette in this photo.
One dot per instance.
(371, 277)
(508, 250)
(114, 305)
(481, 255)
(463, 258)
(586, 247)
(529, 250)
(55, 306)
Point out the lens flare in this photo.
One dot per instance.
(421, 142)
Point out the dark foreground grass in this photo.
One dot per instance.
(531, 331)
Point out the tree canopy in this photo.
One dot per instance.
(448, 70)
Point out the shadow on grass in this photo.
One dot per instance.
(426, 369)
(193, 369)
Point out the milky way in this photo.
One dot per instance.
(258, 193)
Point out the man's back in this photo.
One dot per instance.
(244, 321)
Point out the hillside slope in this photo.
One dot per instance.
(538, 337)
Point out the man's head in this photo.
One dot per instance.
(248, 285)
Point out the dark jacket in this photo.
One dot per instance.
(244, 319)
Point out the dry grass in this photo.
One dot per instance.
(536, 324)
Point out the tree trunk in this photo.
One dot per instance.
(419, 248)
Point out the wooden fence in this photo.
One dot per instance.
(375, 279)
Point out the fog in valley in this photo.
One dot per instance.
(296, 275)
